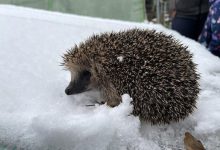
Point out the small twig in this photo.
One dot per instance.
(90, 105)
(96, 102)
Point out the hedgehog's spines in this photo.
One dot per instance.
(156, 70)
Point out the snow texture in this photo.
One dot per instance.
(35, 113)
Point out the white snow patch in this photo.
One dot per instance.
(102, 128)
(120, 58)
(36, 114)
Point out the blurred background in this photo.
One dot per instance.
(188, 17)
(128, 10)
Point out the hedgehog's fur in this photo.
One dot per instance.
(153, 68)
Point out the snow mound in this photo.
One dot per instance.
(101, 128)
(35, 113)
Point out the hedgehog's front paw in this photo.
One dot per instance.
(100, 103)
(113, 103)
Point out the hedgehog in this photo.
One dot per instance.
(155, 69)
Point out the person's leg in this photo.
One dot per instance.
(216, 53)
(201, 23)
(186, 27)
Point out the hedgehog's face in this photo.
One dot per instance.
(80, 68)
(80, 82)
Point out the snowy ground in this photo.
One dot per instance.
(36, 114)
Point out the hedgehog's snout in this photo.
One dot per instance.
(68, 91)
(74, 90)
(79, 84)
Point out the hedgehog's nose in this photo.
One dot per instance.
(68, 91)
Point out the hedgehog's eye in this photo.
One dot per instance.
(85, 75)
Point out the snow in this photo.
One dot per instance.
(35, 113)
(120, 58)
